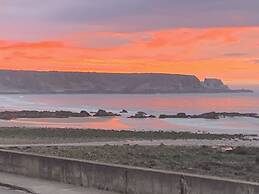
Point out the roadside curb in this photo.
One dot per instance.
(18, 188)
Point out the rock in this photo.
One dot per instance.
(214, 84)
(103, 113)
(226, 149)
(182, 115)
(142, 115)
(124, 111)
(179, 115)
(9, 115)
(84, 113)
(163, 116)
(210, 115)
(62, 114)
(236, 114)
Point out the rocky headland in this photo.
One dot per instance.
(33, 82)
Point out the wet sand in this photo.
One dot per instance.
(224, 125)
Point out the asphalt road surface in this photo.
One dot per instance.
(40, 186)
(4, 190)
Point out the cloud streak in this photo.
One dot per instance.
(189, 51)
(206, 38)
(124, 16)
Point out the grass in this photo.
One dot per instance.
(31, 133)
(241, 163)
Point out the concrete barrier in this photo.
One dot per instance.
(117, 178)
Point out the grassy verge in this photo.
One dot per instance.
(57, 135)
(241, 163)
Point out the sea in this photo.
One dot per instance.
(154, 104)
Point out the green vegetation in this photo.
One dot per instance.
(241, 163)
(31, 133)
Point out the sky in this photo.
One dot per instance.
(206, 38)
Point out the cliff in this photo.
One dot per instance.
(216, 84)
(72, 82)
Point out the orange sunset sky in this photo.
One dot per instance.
(205, 38)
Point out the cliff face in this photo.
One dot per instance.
(214, 84)
(61, 82)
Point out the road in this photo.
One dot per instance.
(4, 190)
(39, 186)
(177, 142)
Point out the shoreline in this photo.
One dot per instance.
(232, 91)
(37, 114)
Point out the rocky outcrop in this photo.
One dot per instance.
(103, 113)
(164, 116)
(142, 115)
(27, 82)
(214, 84)
(124, 111)
(9, 115)
(211, 115)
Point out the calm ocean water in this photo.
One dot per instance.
(151, 104)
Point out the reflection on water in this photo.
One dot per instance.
(155, 104)
(152, 104)
(227, 125)
(97, 123)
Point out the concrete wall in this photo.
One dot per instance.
(121, 179)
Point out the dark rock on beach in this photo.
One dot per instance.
(124, 111)
(84, 113)
(182, 115)
(211, 115)
(142, 115)
(9, 115)
(179, 115)
(103, 113)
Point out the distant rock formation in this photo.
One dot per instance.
(124, 111)
(214, 84)
(142, 115)
(210, 115)
(31, 82)
(104, 113)
(10, 115)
